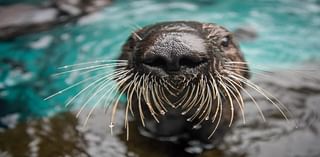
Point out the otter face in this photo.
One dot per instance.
(180, 50)
(183, 71)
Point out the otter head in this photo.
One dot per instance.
(176, 50)
(185, 65)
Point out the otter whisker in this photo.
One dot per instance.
(116, 102)
(129, 103)
(168, 89)
(245, 70)
(108, 93)
(139, 95)
(103, 68)
(279, 102)
(92, 62)
(199, 107)
(229, 96)
(241, 102)
(241, 62)
(105, 95)
(162, 93)
(173, 87)
(206, 112)
(155, 96)
(230, 87)
(101, 87)
(162, 100)
(217, 96)
(119, 80)
(236, 67)
(210, 102)
(203, 98)
(76, 84)
(129, 93)
(71, 86)
(251, 97)
(150, 95)
(135, 91)
(190, 97)
(236, 90)
(183, 98)
(262, 75)
(266, 72)
(258, 89)
(146, 97)
(92, 68)
(105, 84)
(261, 67)
(134, 27)
(136, 35)
(91, 84)
(195, 100)
(220, 114)
(202, 90)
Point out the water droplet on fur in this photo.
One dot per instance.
(196, 126)
(111, 125)
(162, 112)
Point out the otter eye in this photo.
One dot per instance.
(225, 41)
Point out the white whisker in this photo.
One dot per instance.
(92, 62)
(262, 92)
(84, 89)
(95, 67)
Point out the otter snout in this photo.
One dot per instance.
(173, 62)
(175, 52)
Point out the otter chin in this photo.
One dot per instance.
(184, 80)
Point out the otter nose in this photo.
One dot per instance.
(171, 63)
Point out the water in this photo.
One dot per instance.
(288, 34)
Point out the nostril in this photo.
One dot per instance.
(173, 63)
(192, 62)
(155, 62)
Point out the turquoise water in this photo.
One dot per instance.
(288, 32)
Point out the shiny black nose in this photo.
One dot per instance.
(171, 63)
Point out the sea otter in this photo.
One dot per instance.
(184, 80)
